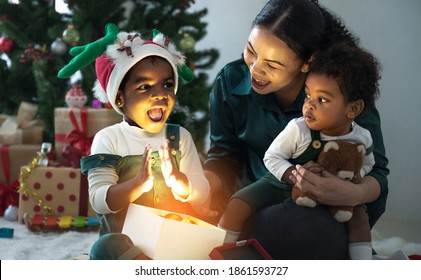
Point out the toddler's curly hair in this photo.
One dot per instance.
(356, 71)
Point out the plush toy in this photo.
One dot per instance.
(343, 159)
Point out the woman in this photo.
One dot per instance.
(252, 101)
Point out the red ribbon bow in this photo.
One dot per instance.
(77, 137)
(79, 143)
(8, 191)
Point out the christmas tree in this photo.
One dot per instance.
(35, 39)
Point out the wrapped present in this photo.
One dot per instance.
(163, 235)
(53, 191)
(12, 158)
(241, 250)
(76, 128)
(22, 128)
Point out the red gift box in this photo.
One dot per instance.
(249, 249)
(55, 191)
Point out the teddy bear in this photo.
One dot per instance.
(343, 159)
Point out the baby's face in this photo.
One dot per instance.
(325, 108)
(149, 94)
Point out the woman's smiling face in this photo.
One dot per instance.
(272, 64)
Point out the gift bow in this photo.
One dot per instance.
(77, 137)
(8, 191)
(25, 118)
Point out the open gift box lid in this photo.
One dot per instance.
(241, 250)
(161, 238)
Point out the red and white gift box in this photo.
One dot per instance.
(76, 127)
(64, 190)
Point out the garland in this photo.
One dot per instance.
(23, 188)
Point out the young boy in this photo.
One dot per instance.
(143, 159)
(342, 82)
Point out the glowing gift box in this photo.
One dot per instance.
(160, 238)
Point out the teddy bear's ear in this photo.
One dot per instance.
(361, 149)
(331, 145)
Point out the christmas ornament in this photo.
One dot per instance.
(59, 47)
(185, 4)
(75, 97)
(188, 43)
(6, 45)
(96, 103)
(11, 213)
(35, 53)
(43, 154)
(71, 35)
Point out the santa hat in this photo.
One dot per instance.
(116, 53)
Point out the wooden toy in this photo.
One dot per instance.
(53, 223)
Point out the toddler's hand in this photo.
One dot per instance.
(144, 175)
(173, 177)
(314, 167)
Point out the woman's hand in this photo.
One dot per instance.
(330, 189)
(174, 179)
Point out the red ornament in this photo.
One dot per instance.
(75, 97)
(6, 45)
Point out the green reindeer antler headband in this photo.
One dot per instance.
(114, 55)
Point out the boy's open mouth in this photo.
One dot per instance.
(156, 114)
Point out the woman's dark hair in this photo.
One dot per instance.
(303, 25)
(356, 71)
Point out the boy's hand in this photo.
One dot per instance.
(173, 177)
(144, 175)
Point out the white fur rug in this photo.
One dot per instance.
(26, 245)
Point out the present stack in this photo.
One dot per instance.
(21, 136)
(59, 188)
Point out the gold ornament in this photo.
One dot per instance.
(71, 35)
(188, 43)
